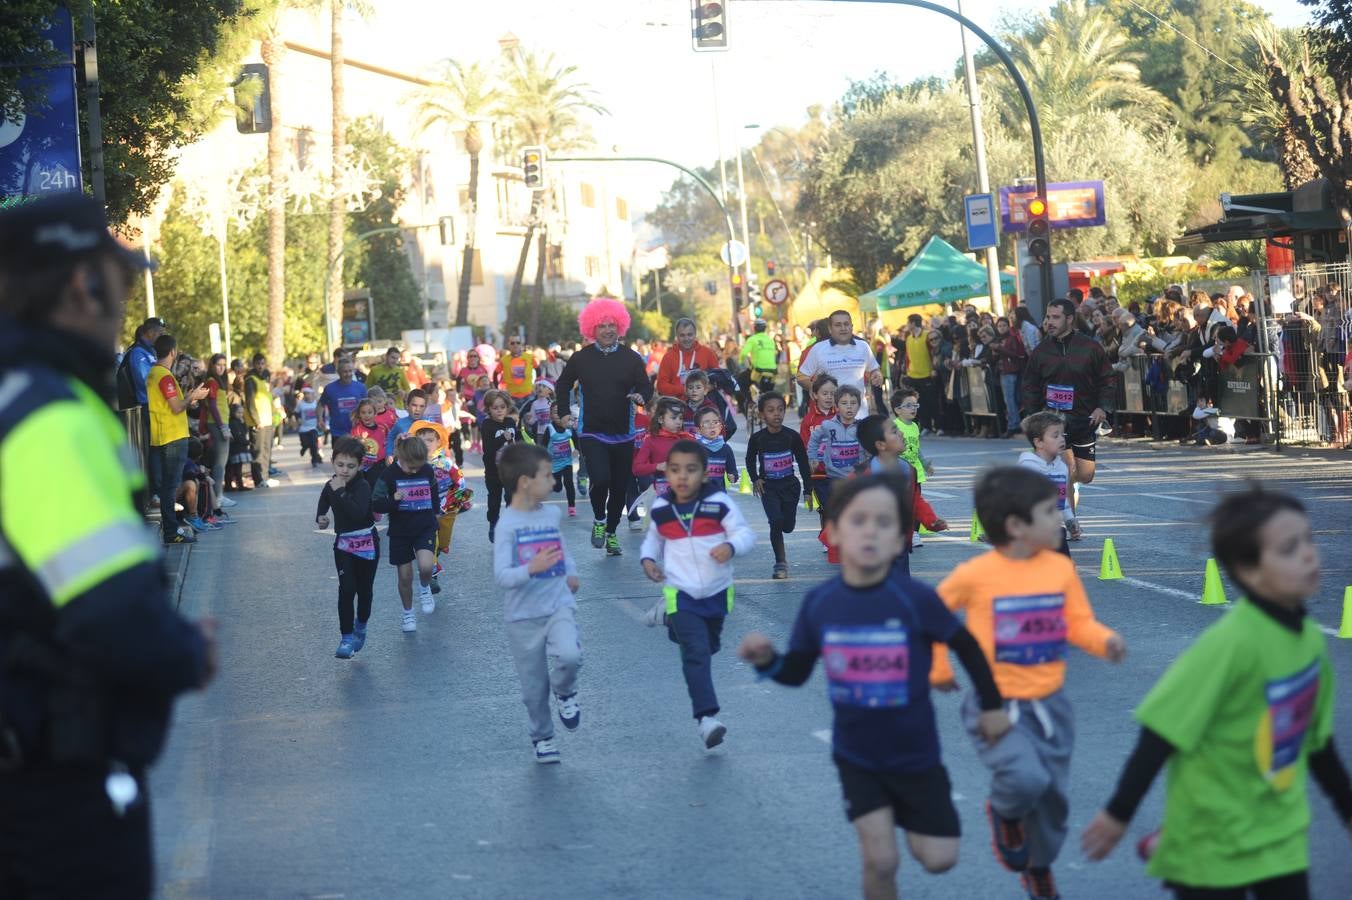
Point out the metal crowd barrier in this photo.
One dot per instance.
(133, 422)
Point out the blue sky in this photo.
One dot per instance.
(785, 56)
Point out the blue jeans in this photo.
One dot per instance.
(172, 457)
(699, 639)
(1009, 385)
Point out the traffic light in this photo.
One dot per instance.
(1039, 231)
(757, 309)
(737, 288)
(770, 267)
(533, 168)
(709, 25)
(253, 100)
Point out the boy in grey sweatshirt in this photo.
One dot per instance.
(538, 578)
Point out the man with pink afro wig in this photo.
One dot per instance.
(611, 378)
(599, 310)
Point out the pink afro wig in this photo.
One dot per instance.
(598, 311)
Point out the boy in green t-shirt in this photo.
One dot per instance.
(1238, 718)
(906, 406)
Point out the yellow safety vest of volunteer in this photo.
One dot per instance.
(166, 426)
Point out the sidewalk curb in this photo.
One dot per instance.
(178, 558)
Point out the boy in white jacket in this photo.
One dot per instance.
(694, 533)
(1046, 431)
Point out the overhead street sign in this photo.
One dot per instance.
(40, 147)
(1071, 204)
(734, 253)
(776, 291)
(980, 216)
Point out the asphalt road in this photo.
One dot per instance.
(407, 772)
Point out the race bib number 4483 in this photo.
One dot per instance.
(868, 666)
(417, 494)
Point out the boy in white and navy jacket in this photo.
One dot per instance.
(695, 531)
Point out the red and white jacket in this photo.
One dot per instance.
(682, 547)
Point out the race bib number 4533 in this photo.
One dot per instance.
(868, 666)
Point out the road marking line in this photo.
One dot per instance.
(1174, 592)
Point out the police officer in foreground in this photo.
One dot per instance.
(92, 651)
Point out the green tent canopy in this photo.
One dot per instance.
(938, 274)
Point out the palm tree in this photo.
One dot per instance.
(463, 96)
(1279, 50)
(273, 51)
(544, 102)
(1074, 60)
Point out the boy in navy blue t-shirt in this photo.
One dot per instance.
(873, 628)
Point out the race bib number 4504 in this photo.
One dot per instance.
(868, 666)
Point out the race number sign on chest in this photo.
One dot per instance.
(417, 494)
(868, 665)
(777, 465)
(530, 543)
(1030, 630)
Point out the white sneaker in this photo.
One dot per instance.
(429, 603)
(711, 731)
(546, 751)
(410, 621)
(226, 503)
(636, 524)
(656, 615)
(272, 482)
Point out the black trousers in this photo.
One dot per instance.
(495, 491)
(563, 479)
(1295, 886)
(309, 443)
(356, 582)
(60, 837)
(611, 469)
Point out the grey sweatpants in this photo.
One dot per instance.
(536, 644)
(1030, 769)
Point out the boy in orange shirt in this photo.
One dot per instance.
(1024, 604)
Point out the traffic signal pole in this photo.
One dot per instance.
(708, 188)
(1034, 127)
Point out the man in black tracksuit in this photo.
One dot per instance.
(611, 378)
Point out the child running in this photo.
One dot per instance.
(906, 406)
(722, 461)
(883, 446)
(664, 432)
(1024, 603)
(538, 578)
(820, 407)
(770, 457)
(407, 491)
(455, 497)
(874, 629)
(367, 428)
(307, 425)
(1046, 432)
(540, 411)
(1238, 719)
(835, 444)
(560, 440)
(496, 431)
(701, 394)
(356, 545)
(696, 530)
